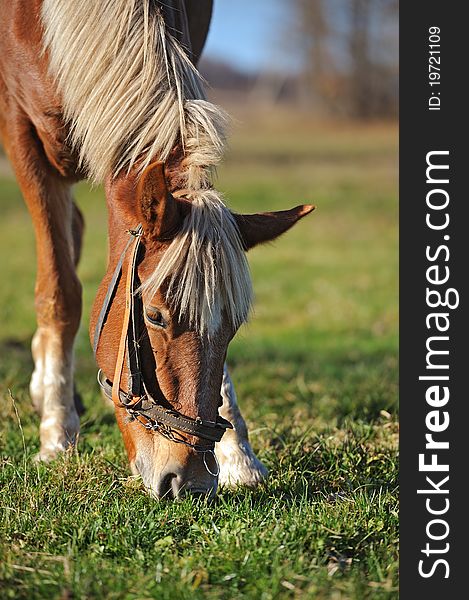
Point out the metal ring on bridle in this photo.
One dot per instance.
(212, 452)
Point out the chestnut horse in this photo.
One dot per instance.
(110, 91)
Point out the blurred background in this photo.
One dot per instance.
(332, 59)
(312, 88)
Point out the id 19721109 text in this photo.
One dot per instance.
(434, 68)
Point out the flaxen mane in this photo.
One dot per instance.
(130, 93)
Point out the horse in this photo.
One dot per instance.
(110, 91)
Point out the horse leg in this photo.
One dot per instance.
(238, 463)
(39, 344)
(58, 227)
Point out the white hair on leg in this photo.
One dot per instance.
(36, 386)
(60, 423)
(238, 463)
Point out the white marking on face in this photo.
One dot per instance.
(151, 459)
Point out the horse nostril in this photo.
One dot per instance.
(203, 494)
(166, 488)
(181, 490)
(199, 493)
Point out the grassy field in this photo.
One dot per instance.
(316, 375)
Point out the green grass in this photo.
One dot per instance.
(316, 375)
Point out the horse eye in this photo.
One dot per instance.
(154, 317)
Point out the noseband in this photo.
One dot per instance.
(137, 401)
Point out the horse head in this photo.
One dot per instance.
(172, 299)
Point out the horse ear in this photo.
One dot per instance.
(265, 227)
(161, 214)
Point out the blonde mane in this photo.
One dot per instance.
(130, 94)
(205, 267)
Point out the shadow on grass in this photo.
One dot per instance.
(16, 348)
(16, 365)
(353, 382)
(340, 384)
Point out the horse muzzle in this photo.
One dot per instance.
(191, 474)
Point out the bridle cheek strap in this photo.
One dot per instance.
(129, 297)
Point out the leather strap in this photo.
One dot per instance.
(129, 292)
(208, 430)
(133, 332)
(150, 410)
(111, 289)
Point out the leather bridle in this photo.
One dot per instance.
(137, 401)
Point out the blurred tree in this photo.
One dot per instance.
(359, 43)
(314, 28)
(350, 55)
